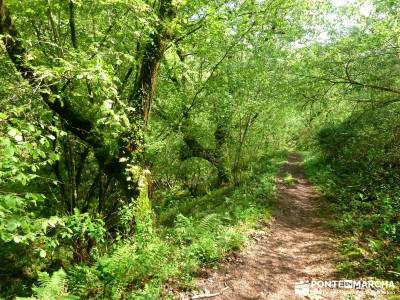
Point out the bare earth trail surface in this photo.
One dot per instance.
(294, 247)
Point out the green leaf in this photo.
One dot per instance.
(42, 253)
(8, 150)
(18, 239)
(10, 201)
(12, 225)
(41, 153)
(12, 132)
(54, 156)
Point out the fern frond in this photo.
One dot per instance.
(52, 288)
(210, 222)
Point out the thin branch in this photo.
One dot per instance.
(209, 295)
(354, 82)
(213, 70)
(181, 38)
(125, 80)
(372, 86)
(52, 23)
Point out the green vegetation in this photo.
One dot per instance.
(355, 150)
(193, 232)
(288, 179)
(362, 184)
(140, 140)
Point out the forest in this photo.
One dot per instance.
(141, 140)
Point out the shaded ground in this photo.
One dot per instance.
(294, 247)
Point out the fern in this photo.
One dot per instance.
(210, 223)
(52, 288)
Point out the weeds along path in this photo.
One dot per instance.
(294, 247)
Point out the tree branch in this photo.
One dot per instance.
(349, 80)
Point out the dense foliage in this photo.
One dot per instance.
(139, 140)
(357, 140)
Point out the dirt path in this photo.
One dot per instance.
(294, 247)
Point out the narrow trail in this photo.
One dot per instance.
(294, 247)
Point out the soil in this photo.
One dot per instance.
(296, 247)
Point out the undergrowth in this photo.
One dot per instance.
(366, 210)
(190, 234)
